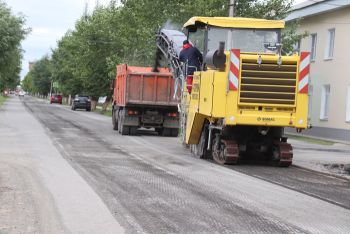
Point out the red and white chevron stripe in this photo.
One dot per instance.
(304, 68)
(234, 69)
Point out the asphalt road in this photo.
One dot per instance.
(152, 184)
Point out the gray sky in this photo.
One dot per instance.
(49, 20)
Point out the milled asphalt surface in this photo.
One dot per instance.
(152, 184)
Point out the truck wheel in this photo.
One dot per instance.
(88, 109)
(133, 130)
(166, 131)
(123, 130)
(114, 119)
(119, 121)
(174, 132)
(159, 131)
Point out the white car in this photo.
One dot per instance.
(21, 94)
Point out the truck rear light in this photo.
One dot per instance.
(133, 112)
(172, 114)
(189, 82)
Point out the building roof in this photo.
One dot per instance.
(233, 22)
(316, 7)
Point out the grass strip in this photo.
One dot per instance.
(105, 113)
(311, 140)
(2, 99)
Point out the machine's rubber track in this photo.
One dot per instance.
(226, 153)
(285, 153)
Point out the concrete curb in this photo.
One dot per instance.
(317, 138)
(322, 172)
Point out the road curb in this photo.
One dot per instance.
(321, 172)
(317, 138)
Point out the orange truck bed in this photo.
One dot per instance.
(140, 86)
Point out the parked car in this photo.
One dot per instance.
(21, 94)
(56, 98)
(81, 102)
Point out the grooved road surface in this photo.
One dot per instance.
(151, 184)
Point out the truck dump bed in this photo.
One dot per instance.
(141, 86)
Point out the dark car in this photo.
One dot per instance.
(55, 98)
(81, 102)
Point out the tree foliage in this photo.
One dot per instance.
(39, 78)
(85, 58)
(12, 32)
(65, 66)
(269, 9)
(27, 84)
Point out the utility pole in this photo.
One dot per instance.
(86, 10)
(231, 8)
(231, 13)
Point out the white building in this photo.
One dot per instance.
(328, 25)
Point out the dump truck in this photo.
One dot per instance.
(143, 98)
(246, 93)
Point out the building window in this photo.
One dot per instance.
(313, 46)
(325, 102)
(330, 44)
(348, 106)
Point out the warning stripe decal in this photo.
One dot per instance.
(304, 69)
(234, 69)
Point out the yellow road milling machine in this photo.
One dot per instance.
(246, 93)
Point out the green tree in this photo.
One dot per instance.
(268, 9)
(85, 58)
(27, 84)
(12, 32)
(98, 37)
(64, 65)
(41, 74)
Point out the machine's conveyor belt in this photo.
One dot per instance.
(169, 45)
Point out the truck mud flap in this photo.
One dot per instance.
(131, 121)
(171, 123)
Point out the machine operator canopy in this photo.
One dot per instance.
(232, 22)
(247, 34)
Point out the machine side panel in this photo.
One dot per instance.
(206, 91)
(220, 95)
(194, 119)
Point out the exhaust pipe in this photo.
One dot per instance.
(216, 59)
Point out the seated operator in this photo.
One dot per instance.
(192, 56)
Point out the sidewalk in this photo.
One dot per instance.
(318, 138)
(40, 191)
(328, 157)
